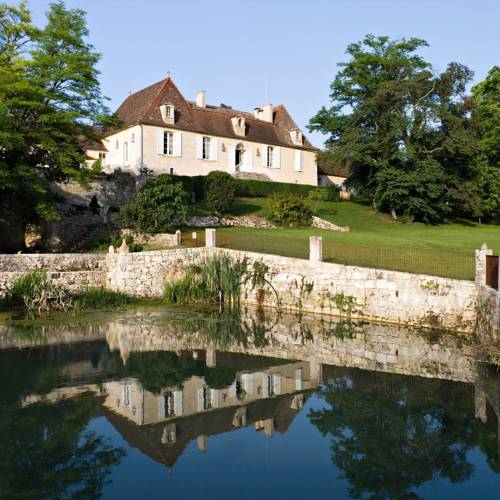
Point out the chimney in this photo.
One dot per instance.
(265, 113)
(201, 98)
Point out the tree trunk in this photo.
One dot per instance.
(394, 215)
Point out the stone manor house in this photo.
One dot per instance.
(165, 133)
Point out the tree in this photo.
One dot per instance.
(160, 202)
(49, 98)
(289, 209)
(219, 191)
(405, 132)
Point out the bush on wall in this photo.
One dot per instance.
(219, 191)
(289, 209)
(160, 202)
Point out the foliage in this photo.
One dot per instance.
(99, 297)
(219, 191)
(321, 194)
(102, 242)
(249, 188)
(405, 132)
(160, 203)
(49, 98)
(289, 209)
(216, 278)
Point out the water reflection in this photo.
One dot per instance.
(397, 408)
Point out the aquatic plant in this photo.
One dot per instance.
(217, 278)
(99, 297)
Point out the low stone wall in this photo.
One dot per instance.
(298, 285)
(52, 262)
(488, 315)
(160, 239)
(70, 280)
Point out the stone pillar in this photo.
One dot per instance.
(481, 264)
(124, 247)
(210, 238)
(178, 237)
(202, 441)
(210, 357)
(315, 248)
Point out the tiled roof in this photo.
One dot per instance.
(329, 165)
(144, 107)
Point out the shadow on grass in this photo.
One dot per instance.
(244, 209)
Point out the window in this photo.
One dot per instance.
(298, 136)
(102, 156)
(168, 143)
(270, 152)
(127, 395)
(117, 144)
(168, 402)
(169, 111)
(205, 152)
(125, 153)
(207, 402)
(132, 139)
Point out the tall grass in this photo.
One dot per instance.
(217, 278)
(100, 297)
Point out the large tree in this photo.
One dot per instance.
(49, 99)
(404, 131)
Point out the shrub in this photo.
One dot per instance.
(101, 243)
(160, 202)
(248, 188)
(96, 297)
(320, 194)
(216, 279)
(289, 209)
(219, 191)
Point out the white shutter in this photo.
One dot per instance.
(231, 151)
(266, 381)
(159, 141)
(178, 403)
(199, 147)
(264, 156)
(248, 160)
(298, 161)
(199, 394)
(277, 157)
(177, 143)
(298, 379)
(247, 381)
(214, 145)
(161, 406)
(214, 397)
(232, 390)
(277, 383)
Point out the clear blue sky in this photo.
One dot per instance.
(232, 47)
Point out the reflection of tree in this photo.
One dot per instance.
(387, 442)
(45, 451)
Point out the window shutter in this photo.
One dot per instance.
(298, 161)
(277, 158)
(248, 159)
(264, 156)
(161, 406)
(214, 397)
(277, 383)
(231, 151)
(266, 381)
(199, 147)
(177, 144)
(161, 136)
(199, 394)
(178, 406)
(214, 145)
(298, 379)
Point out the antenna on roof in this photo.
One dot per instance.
(129, 92)
(168, 74)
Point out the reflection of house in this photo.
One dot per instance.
(166, 133)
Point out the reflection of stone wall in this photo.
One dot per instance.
(488, 324)
(324, 288)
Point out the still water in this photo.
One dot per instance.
(184, 403)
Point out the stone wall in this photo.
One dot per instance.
(298, 285)
(158, 239)
(70, 280)
(52, 262)
(488, 324)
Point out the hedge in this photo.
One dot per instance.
(249, 188)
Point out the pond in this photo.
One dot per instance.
(189, 403)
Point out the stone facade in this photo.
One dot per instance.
(333, 289)
(52, 262)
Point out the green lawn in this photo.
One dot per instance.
(374, 240)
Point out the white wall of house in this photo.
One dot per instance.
(331, 180)
(185, 157)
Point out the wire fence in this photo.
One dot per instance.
(448, 264)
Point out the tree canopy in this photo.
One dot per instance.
(406, 132)
(50, 98)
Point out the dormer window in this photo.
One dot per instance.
(239, 125)
(167, 113)
(296, 136)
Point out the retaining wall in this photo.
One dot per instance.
(295, 284)
(52, 262)
(488, 324)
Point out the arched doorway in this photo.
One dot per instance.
(239, 154)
